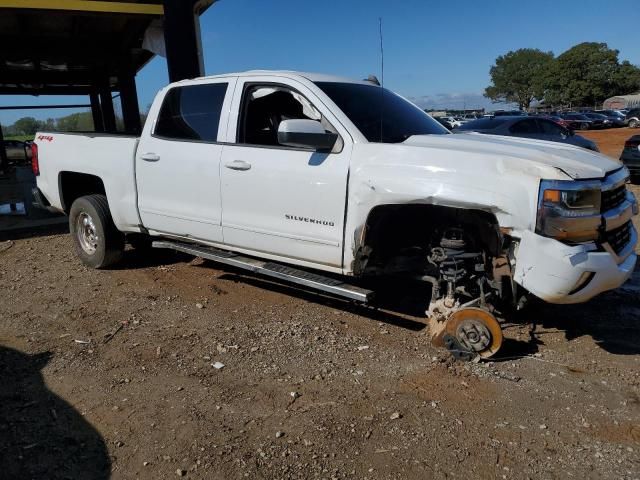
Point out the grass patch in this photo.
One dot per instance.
(22, 138)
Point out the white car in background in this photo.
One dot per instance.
(453, 121)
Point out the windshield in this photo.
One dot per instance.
(379, 114)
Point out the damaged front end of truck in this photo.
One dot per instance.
(485, 245)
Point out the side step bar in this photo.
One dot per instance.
(272, 269)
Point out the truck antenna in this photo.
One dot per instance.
(381, 75)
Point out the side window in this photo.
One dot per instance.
(524, 126)
(192, 112)
(265, 106)
(551, 128)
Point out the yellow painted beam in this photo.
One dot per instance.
(85, 6)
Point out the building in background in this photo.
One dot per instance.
(622, 101)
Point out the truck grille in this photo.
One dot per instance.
(619, 237)
(612, 198)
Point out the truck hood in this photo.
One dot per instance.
(576, 162)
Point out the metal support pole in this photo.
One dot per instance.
(182, 40)
(129, 100)
(4, 161)
(108, 114)
(96, 112)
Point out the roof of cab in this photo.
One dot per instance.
(313, 77)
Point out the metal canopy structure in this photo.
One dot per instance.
(94, 48)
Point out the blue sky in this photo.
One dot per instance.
(437, 53)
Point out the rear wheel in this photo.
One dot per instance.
(97, 241)
(584, 126)
(634, 123)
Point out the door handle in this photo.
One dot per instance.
(150, 157)
(238, 165)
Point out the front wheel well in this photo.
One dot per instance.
(391, 230)
(73, 185)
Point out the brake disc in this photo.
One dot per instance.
(476, 330)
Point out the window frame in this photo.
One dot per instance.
(228, 93)
(246, 87)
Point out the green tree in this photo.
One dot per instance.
(587, 74)
(49, 124)
(75, 122)
(518, 76)
(627, 78)
(26, 126)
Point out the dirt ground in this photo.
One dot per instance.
(110, 374)
(610, 141)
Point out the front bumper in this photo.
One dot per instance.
(559, 273)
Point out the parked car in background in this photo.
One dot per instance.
(505, 113)
(632, 118)
(631, 158)
(599, 120)
(453, 121)
(444, 122)
(577, 121)
(611, 113)
(527, 127)
(555, 118)
(616, 118)
(17, 151)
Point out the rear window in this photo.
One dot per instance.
(487, 123)
(192, 112)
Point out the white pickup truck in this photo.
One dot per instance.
(328, 182)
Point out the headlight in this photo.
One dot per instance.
(569, 210)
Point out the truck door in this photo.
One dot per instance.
(283, 201)
(178, 161)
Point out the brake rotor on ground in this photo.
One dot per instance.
(476, 330)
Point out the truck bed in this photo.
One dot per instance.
(110, 157)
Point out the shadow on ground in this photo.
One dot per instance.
(375, 314)
(41, 435)
(611, 319)
(134, 259)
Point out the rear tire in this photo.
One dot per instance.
(96, 240)
(634, 123)
(584, 126)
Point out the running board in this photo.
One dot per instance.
(272, 269)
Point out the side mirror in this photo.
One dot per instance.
(305, 133)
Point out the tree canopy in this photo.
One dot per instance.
(26, 126)
(586, 74)
(518, 76)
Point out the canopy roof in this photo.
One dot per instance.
(65, 46)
